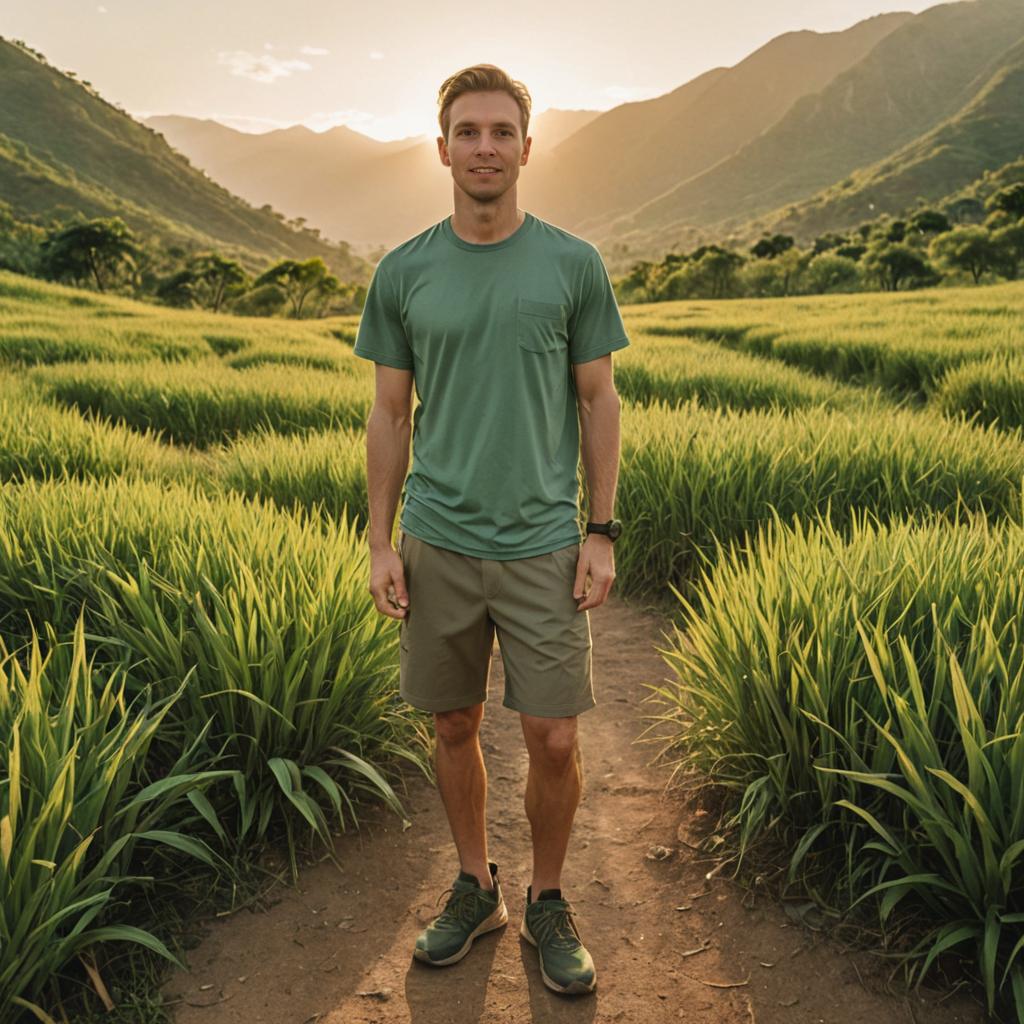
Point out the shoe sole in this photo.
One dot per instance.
(495, 919)
(573, 988)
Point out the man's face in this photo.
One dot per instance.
(484, 131)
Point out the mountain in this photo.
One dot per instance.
(64, 149)
(585, 168)
(920, 75)
(350, 186)
(637, 151)
(986, 135)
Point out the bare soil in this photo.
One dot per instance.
(668, 944)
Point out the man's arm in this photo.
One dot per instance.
(599, 405)
(388, 430)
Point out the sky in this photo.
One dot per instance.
(377, 67)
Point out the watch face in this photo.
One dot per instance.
(614, 529)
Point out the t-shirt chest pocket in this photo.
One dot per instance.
(541, 326)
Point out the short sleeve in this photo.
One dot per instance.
(595, 327)
(381, 336)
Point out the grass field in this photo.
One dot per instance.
(826, 495)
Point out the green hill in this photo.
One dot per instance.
(987, 134)
(988, 183)
(918, 77)
(64, 149)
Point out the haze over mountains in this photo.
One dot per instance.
(349, 185)
(811, 132)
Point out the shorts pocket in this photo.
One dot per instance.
(567, 561)
(541, 326)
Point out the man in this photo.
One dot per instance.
(505, 324)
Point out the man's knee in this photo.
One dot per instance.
(458, 726)
(552, 740)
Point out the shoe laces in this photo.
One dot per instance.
(460, 909)
(554, 925)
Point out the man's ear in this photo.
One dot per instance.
(442, 151)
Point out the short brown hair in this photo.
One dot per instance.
(481, 78)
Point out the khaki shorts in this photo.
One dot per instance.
(457, 602)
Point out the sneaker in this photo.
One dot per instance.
(470, 911)
(565, 964)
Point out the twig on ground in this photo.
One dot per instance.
(719, 984)
(704, 944)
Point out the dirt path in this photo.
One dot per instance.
(338, 949)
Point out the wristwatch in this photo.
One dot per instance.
(612, 528)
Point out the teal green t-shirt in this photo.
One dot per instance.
(489, 332)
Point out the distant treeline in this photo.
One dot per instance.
(968, 239)
(105, 255)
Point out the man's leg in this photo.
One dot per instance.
(553, 788)
(462, 780)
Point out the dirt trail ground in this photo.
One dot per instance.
(337, 950)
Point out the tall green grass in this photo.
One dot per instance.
(292, 668)
(903, 343)
(990, 390)
(324, 470)
(40, 440)
(77, 800)
(46, 323)
(202, 404)
(692, 477)
(861, 699)
(672, 370)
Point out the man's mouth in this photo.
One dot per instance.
(484, 170)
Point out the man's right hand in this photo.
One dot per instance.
(387, 583)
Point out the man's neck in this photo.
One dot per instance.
(485, 223)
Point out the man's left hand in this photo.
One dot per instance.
(596, 560)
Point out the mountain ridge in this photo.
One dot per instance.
(66, 149)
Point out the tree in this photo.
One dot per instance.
(88, 250)
(770, 246)
(714, 271)
(299, 281)
(1010, 200)
(827, 241)
(929, 222)
(207, 279)
(220, 277)
(895, 231)
(852, 250)
(19, 243)
(830, 272)
(967, 248)
(266, 300)
(966, 210)
(892, 263)
(177, 289)
(1009, 245)
(635, 285)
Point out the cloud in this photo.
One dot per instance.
(314, 51)
(261, 67)
(376, 55)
